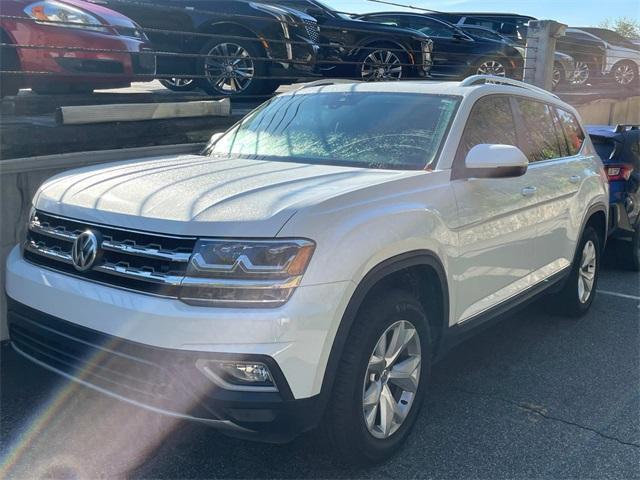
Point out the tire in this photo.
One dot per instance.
(582, 73)
(381, 64)
(558, 76)
(223, 53)
(61, 89)
(9, 83)
(344, 425)
(571, 301)
(179, 84)
(492, 66)
(625, 74)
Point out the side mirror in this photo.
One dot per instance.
(496, 161)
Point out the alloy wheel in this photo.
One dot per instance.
(381, 65)
(587, 272)
(179, 82)
(492, 67)
(624, 74)
(581, 74)
(391, 380)
(229, 68)
(556, 77)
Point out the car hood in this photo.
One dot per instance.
(203, 196)
(108, 16)
(375, 27)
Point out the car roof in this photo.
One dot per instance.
(432, 87)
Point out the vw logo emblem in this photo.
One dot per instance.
(84, 251)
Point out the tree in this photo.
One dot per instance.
(625, 26)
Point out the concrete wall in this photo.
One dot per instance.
(611, 112)
(21, 177)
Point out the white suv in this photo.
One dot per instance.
(313, 262)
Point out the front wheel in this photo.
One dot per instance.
(381, 381)
(558, 76)
(582, 74)
(625, 74)
(384, 64)
(235, 68)
(576, 297)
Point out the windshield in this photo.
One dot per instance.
(364, 129)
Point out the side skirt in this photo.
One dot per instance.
(457, 334)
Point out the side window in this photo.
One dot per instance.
(385, 20)
(491, 121)
(572, 131)
(538, 122)
(431, 27)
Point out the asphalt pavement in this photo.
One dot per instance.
(535, 396)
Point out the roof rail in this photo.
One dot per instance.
(325, 82)
(493, 79)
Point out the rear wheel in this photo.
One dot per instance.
(630, 251)
(384, 64)
(235, 68)
(577, 295)
(381, 381)
(179, 84)
(492, 66)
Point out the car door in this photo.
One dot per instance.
(497, 219)
(554, 140)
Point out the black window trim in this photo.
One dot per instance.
(458, 168)
(521, 125)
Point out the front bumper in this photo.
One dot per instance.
(162, 380)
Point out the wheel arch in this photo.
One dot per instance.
(231, 28)
(376, 42)
(411, 271)
(597, 217)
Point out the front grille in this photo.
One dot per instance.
(312, 31)
(134, 260)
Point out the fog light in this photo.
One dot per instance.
(240, 376)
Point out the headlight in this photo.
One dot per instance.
(52, 11)
(244, 273)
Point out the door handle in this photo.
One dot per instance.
(575, 179)
(529, 191)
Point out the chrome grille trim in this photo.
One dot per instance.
(51, 253)
(134, 260)
(147, 252)
(134, 274)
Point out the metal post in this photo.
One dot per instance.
(540, 51)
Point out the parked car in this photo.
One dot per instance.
(563, 64)
(245, 48)
(619, 148)
(353, 48)
(310, 264)
(588, 52)
(511, 25)
(87, 26)
(457, 54)
(622, 56)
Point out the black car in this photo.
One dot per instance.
(236, 47)
(510, 25)
(457, 54)
(363, 50)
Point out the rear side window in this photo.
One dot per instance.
(572, 131)
(538, 122)
(491, 121)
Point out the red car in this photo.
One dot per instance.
(82, 25)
